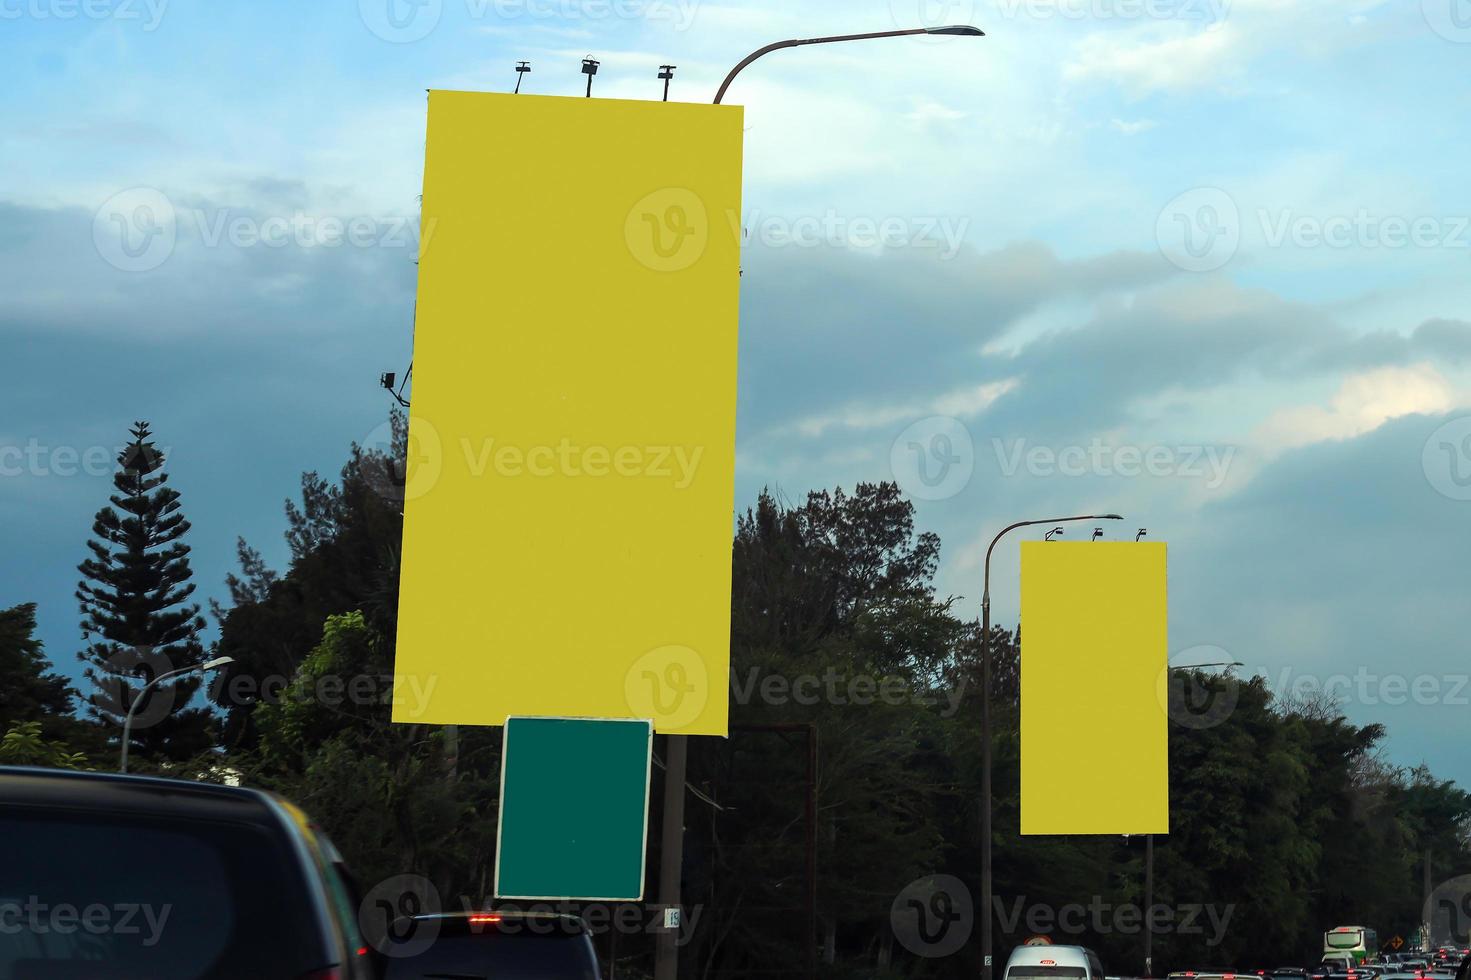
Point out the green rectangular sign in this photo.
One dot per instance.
(574, 809)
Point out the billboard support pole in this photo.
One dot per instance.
(671, 854)
(986, 902)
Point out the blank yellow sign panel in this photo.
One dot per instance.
(569, 498)
(1094, 729)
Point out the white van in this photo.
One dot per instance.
(1053, 963)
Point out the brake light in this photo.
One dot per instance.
(480, 920)
(1228, 976)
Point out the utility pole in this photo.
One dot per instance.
(666, 72)
(671, 854)
(1148, 898)
(1428, 912)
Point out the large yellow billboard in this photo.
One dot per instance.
(569, 494)
(1094, 729)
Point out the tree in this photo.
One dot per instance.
(28, 690)
(344, 541)
(24, 745)
(134, 600)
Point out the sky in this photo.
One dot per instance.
(1206, 263)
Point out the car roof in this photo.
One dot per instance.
(26, 786)
(1034, 955)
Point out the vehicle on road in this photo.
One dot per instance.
(1053, 963)
(108, 877)
(1356, 942)
(519, 945)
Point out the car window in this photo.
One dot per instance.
(1028, 972)
(180, 899)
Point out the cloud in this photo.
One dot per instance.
(1176, 62)
(1362, 403)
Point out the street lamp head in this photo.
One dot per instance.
(217, 662)
(964, 30)
(1110, 517)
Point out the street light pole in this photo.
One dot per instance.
(959, 29)
(986, 729)
(128, 719)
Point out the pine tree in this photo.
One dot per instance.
(134, 601)
(29, 691)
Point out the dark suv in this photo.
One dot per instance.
(107, 877)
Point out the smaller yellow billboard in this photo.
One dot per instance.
(1094, 728)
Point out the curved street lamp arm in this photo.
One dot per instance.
(798, 42)
(128, 720)
(986, 590)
